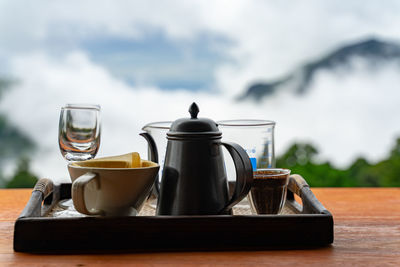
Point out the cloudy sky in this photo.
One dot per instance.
(147, 61)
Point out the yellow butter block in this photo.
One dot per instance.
(130, 160)
(135, 162)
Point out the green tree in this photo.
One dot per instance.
(22, 178)
(2, 181)
(388, 170)
(362, 172)
(14, 145)
(302, 159)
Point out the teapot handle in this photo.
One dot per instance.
(244, 173)
(153, 156)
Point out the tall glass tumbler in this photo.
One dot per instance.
(255, 136)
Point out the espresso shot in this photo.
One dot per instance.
(268, 192)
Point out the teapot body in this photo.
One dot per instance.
(193, 183)
(194, 179)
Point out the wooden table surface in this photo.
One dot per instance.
(367, 233)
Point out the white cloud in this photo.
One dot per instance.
(343, 115)
(351, 114)
(269, 38)
(47, 84)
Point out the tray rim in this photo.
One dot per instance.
(314, 218)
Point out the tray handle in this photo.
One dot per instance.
(45, 186)
(298, 185)
(42, 190)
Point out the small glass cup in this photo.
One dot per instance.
(79, 131)
(268, 192)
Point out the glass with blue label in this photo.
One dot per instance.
(255, 136)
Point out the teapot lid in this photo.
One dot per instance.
(194, 125)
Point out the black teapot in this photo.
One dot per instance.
(194, 180)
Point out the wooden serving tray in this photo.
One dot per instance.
(37, 230)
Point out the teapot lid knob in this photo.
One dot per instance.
(194, 110)
(194, 126)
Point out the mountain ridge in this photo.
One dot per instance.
(373, 49)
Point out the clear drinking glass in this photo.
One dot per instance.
(255, 136)
(158, 130)
(79, 131)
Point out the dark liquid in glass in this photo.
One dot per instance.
(268, 194)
